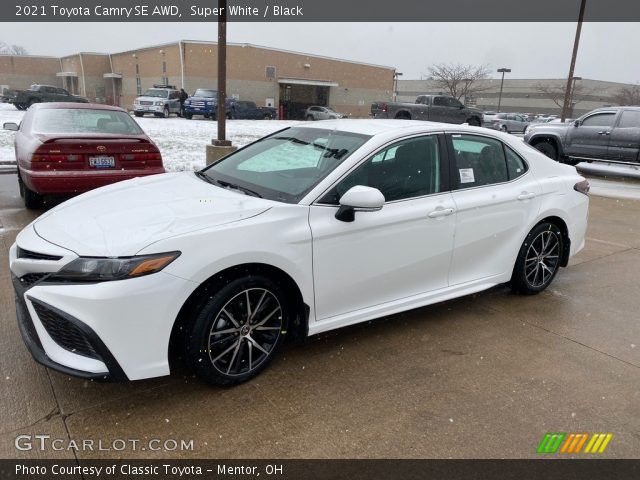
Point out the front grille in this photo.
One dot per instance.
(30, 279)
(64, 333)
(22, 253)
(143, 102)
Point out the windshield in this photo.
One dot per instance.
(201, 92)
(82, 120)
(288, 164)
(156, 93)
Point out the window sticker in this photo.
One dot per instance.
(466, 175)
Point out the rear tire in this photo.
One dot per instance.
(237, 329)
(165, 112)
(188, 116)
(538, 260)
(138, 114)
(474, 122)
(32, 200)
(503, 128)
(20, 187)
(267, 117)
(310, 118)
(547, 148)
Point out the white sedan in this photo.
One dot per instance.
(312, 228)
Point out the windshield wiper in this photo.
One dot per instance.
(238, 187)
(205, 177)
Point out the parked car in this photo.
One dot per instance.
(434, 108)
(205, 102)
(487, 117)
(322, 113)
(609, 134)
(70, 148)
(245, 110)
(315, 227)
(23, 99)
(161, 100)
(508, 122)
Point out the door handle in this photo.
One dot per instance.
(526, 196)
(441, 212)
(604, 132)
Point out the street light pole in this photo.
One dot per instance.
(502, 71)
(576, 42)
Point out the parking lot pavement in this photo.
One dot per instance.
(483, 376)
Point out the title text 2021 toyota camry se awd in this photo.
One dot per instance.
(309, 229)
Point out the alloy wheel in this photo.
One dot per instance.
(542, 259)
(245, 332)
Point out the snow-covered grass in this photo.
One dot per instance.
(182, 142)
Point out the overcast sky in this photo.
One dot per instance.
(608, 51)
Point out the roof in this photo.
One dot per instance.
(377, 126)
(78, 105)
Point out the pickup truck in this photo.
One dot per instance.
(23, 99)
(610, 134)
(205, 102)
(244, 110)
(434, 108)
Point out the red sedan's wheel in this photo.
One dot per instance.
(32, 200)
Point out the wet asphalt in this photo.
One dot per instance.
(485, 376)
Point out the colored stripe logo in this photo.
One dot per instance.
(560, 442)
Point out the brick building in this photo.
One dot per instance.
(268, 76)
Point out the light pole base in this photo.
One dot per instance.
(216, 152)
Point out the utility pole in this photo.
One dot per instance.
(221, 147)
(502, 71)
(222, 75)
(395, 85)
(576, 42)
(573, 92)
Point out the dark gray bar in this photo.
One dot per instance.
(319, 11)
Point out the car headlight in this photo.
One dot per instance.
(158, 104)
(187, 102)
(92, 269)
(136, 102)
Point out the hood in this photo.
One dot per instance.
(203, 99)
(123, 218)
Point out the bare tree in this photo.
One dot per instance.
(555, 92)
(628, 95)
(459, 80)
(6, 49)
(19, 50)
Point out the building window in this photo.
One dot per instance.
(164, 67)
(138, 86)
(165, 80)
(137, 69)
(270, 72)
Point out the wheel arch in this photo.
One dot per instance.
(299, 329)
(564, 229)
(403, 115)
(548, 137)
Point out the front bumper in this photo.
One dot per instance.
(116, 331)
(148, 108)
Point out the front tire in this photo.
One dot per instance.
(539, 259)
(236, 332)
(474, 122)
(138, 114)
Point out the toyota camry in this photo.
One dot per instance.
(312, 228)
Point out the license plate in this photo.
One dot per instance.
(102, 162)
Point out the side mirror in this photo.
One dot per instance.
(576, 123)
(10, 126)
(359, 199)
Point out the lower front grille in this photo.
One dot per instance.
(30, 279)
(64, 333)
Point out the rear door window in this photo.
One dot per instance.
(630, 119)
(479, 161)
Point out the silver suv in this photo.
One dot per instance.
(161, 100)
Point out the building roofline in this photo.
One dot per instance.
(28, 56)
(252, 45)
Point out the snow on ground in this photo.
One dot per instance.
(181, 142)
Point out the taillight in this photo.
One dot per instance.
(384, 107)
(142, 156)
(582, 187)
(59, 158)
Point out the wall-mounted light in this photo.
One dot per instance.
(307, 65)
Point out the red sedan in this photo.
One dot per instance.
(70, 148)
